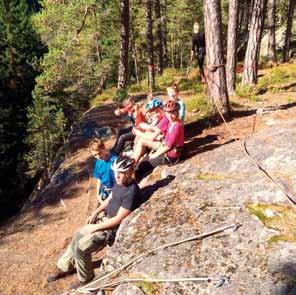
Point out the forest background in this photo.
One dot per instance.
(59, 57)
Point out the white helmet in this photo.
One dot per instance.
(122, 164)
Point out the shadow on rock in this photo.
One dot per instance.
(201, 145)
(149, 190)
(287, 273)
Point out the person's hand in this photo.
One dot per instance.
(117, 112)
(91, 219)
(151, 155)
(135, 131)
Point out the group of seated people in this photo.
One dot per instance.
(157, 129)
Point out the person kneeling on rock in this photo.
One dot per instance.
(125, 197)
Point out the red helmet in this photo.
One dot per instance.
(171, 106)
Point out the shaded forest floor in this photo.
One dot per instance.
(31, 242)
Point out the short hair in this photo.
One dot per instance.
(130, 99)
(175, 87)
(97, 145)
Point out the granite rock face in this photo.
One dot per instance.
(208, 191)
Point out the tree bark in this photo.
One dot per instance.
(232, 45)
(159, 36)
(124, 44)
(215, 74)
(149, 37)
(286, 50)
(134, 50)
(254, 41)
(165, 33)
(271, 47)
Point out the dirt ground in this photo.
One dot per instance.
(31, 242)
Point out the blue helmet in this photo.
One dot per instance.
(154, 103)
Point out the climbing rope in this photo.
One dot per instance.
(289, 195)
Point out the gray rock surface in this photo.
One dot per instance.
(206, 194)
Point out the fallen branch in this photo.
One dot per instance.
(89, 288)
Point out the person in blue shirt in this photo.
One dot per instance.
(173, 93)
(102, 169)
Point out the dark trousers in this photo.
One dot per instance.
(146, 166)
(124, 135)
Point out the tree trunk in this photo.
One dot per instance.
(159, 36)
(286, 51)
(254, 41)
(271, 49)
(165, 33)
(134, 50)
(149, 37)
(124, 42)
(215, 75)
(232, 45)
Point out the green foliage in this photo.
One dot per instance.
(46, 129)
(181, 16)
(81, 37)
(135, 88)
(120, 96)
(278, 77)
(273, 80)
(277, 217)
(107, 95)
(17, 37)
(248, 92)
(18, 54)
(169, 76)
(199, 103)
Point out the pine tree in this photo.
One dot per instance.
(290, 14)
(124, 44)
(149, 38)
(271, 48)
(19, 50)
(216, 76)
(232, 45)
(254, 42)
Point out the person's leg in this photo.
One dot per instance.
(66, 261)
(119, 146)
(85, 246)
(201, 59)
(142, 145)
(160, 160)
(139, 150)
(122, 131)
(147, 166)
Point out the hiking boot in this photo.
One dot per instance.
(58, 274)
(77, 284)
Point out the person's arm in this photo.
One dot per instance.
(170, 142)
(113, 221)
(91, 219)
(192, 50)
(120, 111)
(144, 126)
(191, 56)
(98, 186)
(182, 110)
